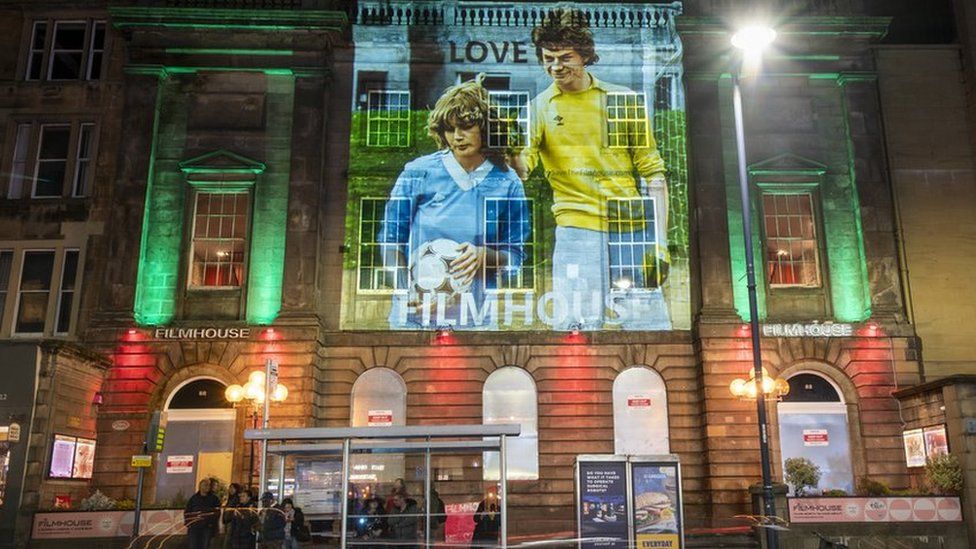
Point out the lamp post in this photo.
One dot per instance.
(751, 42)
(253, 394)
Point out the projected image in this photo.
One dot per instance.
(523, 176)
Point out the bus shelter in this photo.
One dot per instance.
(333, 467)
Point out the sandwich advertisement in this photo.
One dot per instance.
(657, 505)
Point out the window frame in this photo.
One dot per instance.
(55, 267)
(68, 165)
(523, 120)
(530, 247)
(660, 240)
(524, 436)
(11, 307)
(371, 118)
(810, 189)
(47, 53)
(247, 239)
(643, 126)
(61, 292)
(373, 242)
(26, 189)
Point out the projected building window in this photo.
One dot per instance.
(388, 118)
(791, 240)
(508, 119)
(35, 290)
(627, 122)
(508, 223)
(219, 239)
(510, 397)
(637, 260)
(52, 161)
(383, 250)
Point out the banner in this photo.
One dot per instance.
(603, 508)
(521, 176)
(657, 505)
(898, 509)
(106, 524)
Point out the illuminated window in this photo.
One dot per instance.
(74, 50)
(35, 291)
(384, 231)
(508, 119)
(220, 223)
(640, 413)
(637, 258)
(510, 397)
(508, 229)
(388, 118)
(627, 123)
(52, 161)
(379, 399)
(791, 240)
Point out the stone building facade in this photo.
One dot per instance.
(254, 100)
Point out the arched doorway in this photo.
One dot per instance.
(813, 424)
(199, 439)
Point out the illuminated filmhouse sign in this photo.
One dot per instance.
(808, 330)
(201, 333)
(407, 55)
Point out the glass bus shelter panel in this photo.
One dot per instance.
(382, 508)
(471, 505)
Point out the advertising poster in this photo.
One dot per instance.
(106, 524)
(84, 459)
(657, 505)
(603, 508)
(318, 486)
(936, 442)
(379, 418)
(62, 456)
(914, 448)
(459, 528)
(500, 180)
(881, 509)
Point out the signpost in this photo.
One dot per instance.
(155, 438)
(270, 371)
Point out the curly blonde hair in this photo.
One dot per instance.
(464, 105)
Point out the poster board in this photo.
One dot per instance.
(658, 520)
(603, 508)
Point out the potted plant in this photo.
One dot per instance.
(801, 473)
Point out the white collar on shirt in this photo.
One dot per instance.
(464, 179)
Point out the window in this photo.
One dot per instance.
(791, 240)
(508, 224)
(55, 159)
(379, 399)
(640, 413)
(637, 260)
(6, 259)
(69, 275)
(384, 232)
(219, 239)
(83, 160)
(388, 118)
(35, 289)
(18, 172)
(508, 119)
(72, 457)
(627, 123)
(52, 161)
(75, 50)
(510, 397)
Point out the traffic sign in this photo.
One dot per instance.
(142, 461)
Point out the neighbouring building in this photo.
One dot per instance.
(196, 187)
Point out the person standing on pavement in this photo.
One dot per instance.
(201, 516)
(272, 523)
(244, 522)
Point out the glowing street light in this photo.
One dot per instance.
(752, 41)
(253, 393)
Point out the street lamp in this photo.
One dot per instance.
(252, 394)
(751, 41)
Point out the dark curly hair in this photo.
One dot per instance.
(563, 29)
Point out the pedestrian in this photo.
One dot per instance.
(201, 516)
(233, 500)
(272, 523)
(372, 524)
(438, 516)
(398, 488)
(487, 523)
(244, 522)
(403, 521)
(295, 528)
